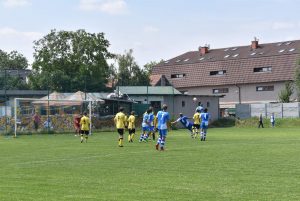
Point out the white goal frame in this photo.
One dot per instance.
(90, 102)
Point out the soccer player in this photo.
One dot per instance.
(205, 118)
(85, 127)
(145, 126)
(185, 122)
(131, 126)
(163, 119)
(120, 121)
(151, 121)
(196, 126)
(77, 124)
(199, 108)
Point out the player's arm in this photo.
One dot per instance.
(174, 122)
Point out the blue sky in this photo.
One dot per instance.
(154, 29)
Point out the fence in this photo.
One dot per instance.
(280, 110)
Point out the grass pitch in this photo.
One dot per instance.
(233, 164)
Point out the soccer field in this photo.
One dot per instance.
(233, 164)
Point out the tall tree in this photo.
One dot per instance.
(12, 61)
(297, 79)
(71, 61)
(149, 66)
(285, 94)
(130, 74)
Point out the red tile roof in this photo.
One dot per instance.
(238, 65)
(154, 79)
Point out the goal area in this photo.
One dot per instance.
(48, 115)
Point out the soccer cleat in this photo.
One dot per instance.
(157, 146)
(162, 148)
(120, 145)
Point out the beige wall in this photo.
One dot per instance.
(248, 93)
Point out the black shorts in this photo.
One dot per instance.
(85, 132)
(121, 131)
(131, 130)
(197, 126)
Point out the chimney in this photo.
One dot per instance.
(203, 50)
(254, 44)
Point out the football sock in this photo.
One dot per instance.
(86, 138)
(132, 136)
(129, 138)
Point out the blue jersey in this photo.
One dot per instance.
(158, 116)
(199, 108)
(165, 117)
(151, 119)
(145, 122)
(185, 122)
(205, 118)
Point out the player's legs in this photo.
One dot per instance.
(129, 135)
(86, 135)
(121, 133)
(158, 140)
(163, 139)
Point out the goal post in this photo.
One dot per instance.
(49, 115)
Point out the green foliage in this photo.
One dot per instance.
(285, 94)
(149, 66)
(297, 78)
(232, 165)
(130, 74)
(12, 60)
(71, 61)
(223, 122)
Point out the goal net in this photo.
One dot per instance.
(49, 116)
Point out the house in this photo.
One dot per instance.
(255, 73)
(176, 101)
(21, 73)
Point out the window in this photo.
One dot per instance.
(253, 53)
(226, 50)
(178, 60)
(220, 72)
(201, 58)
(288, 43)
(167, 62)
(265, 88)
(262, 69)
(177, 75)
(226, 56)
(279, 44)
(261, 53)
(220, 91)
(235, 48)
(183, 104)
(235, 55)
(186, 60)
(291, 50)
(282, 50)
(207, 104)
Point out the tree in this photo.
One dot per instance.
(12, 61)
(130, 74)
(297, 79)
(149, 66)
(68, 61)
(285, 94)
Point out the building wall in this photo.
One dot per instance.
(188, 109)
(248, 93)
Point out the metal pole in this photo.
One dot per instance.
(48, 111)
(15, 104)
(147, 95)
(85, 87)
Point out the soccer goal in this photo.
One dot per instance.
(48, 115)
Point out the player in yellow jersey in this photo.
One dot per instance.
(131, 126)
(85, 127)
(196, 125)
(120, 121)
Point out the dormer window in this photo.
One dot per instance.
(262, 69)
(177, 75)
(215, 73)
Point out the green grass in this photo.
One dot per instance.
(234, 164)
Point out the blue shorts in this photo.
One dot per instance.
(204, 125)
(145, 128)
(190, 127)
(152, 128)
(163, 132)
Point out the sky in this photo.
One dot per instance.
(154, 29)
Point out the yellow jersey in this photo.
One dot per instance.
(196, 118)
(85, 123)
(155, 121)
(131, 122)
(120, 120)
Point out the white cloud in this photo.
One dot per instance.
(15, 3)
(12, 33)
(151, 29)
(113, 7)
(283, 25)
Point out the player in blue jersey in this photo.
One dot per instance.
(185, 122)
(151, 121)
(200, 108)
(205, 118)
(145, 126)
(163, 118)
